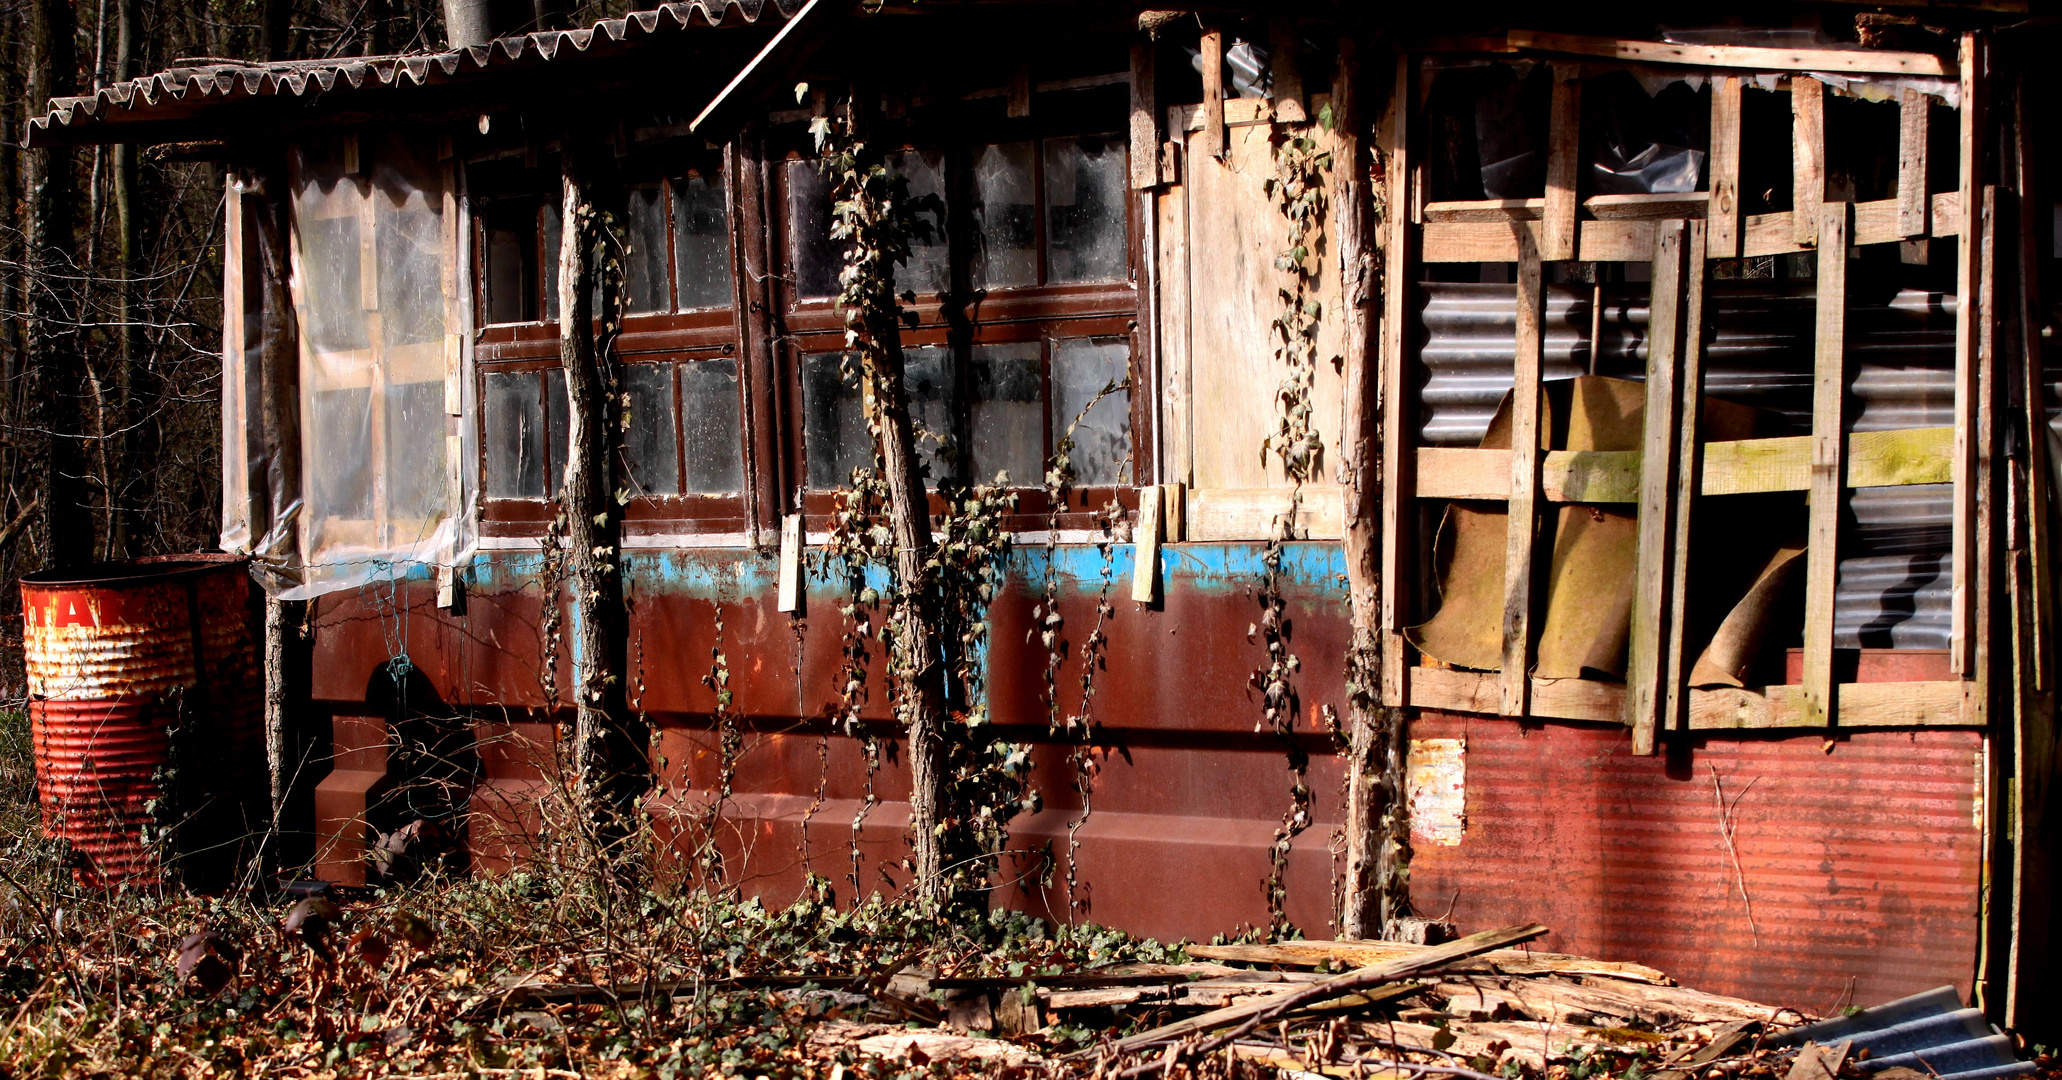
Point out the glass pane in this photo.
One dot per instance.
(1081, 368)
(644, 270)
(557, 424)
(928, 270)
(411, 277)
(1085, 231)
(927, 375)
(701, 243)
(649, 444)
(1008, 411)
(1005, 217)
(330, 261)
(812, 257)
(549, 257)
(715, 435)
(515, 436)
(834, 435)
(510, 253)
(418, 486)
(341, 432)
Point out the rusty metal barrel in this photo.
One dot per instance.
(146, 700)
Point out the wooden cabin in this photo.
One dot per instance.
(1684, 419)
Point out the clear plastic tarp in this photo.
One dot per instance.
(374, 283)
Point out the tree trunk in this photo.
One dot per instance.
(52, 357)
(116, 443)
(1373, 749)
(275, 27)
(606, 753)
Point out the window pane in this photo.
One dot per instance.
(330, 259)
(1005, 217)
(1007, 404)
(715, 435)
(550, 257)
(511, 257)
(649, 444)
(1085, 231)
(1081, 368)
(834, 432)
(812, 257)
(557, 424)
(411, 273)
(701, 243)
(341, 433)
(927, 375)
(515, 435)
(644, 270)
(417, 482)
(928, 270)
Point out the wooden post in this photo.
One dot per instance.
(1399, 266)
(1968, 244)
(766, 487)
(1689, 474)
(1145, 122)
(1651, 595)
(1524, 517)
(1564, 137)
(1807, 156)
(1828, 467)
(1911, 165)
(1723, 215)
(1212, 141)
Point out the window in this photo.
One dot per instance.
(1025, 304)
(1677, 312)
(684, 445)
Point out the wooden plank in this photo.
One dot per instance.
(1482, 692)
(1651, 574)
(1724, 212)
(1363, 953)
(1891, 458)
(788, 587)
(1145, 561)
(1484, 210)
(1862, 705)
(1828, 465)
(1145, 121)
(1399, 269)
(1968, 169)
(1523, 510)
(1173, 334)
(1212, 143)
(1807, 156)
(1476, 241)
(1875, 61)
(1983, 574)
(1768, 234)
(1018, 95)
(1911, 164)
(1675, 662)
(1256, 513)
(1663, 207)
(1564, 136)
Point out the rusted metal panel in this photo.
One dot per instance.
(118, 659)
(1861, 865)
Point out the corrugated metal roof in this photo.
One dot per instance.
(1930, 1032)
(223, 81)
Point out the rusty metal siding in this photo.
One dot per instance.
(1862, 864)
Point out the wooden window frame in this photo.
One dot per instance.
(1679, 235)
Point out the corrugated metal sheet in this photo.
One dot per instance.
(1928, 1032)
(1861, 867)
(227, 80)
(1894, 584)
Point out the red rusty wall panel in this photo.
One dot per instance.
(1861, 865)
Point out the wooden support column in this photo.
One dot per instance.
(1145, 122)
(1911, 165)
(1828, 467)
(1658, 449)
(766, 487)
(1968, 244)
(1399, 269)
(1807, 155)
(1564, 139)
(1211, 142)
(1674, 714)
(1525, 457)
(1724, 213)
(1983, 570)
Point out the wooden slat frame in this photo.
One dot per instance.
(1399, 271)
(1828, 466)
(1651, 575)
(1724, 212)
(1522, 509)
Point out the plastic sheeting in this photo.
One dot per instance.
(376, 302)
(261, 468)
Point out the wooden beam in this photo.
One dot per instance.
(1828, 465)
(1523, 510)
(1983, 573)
(1212, 142)
(1911, 164)
(1145, 121)
(1613, 228)
(1652, 571)
(1399, 269)
(1145, 558)
(1881, 62)
(1564, 138)
(1862, 705)
(1969, 170)
(1724, 212)
(1258, 513)
(1807, 156)
(1675, 662)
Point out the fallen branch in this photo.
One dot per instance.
(1365, 953)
